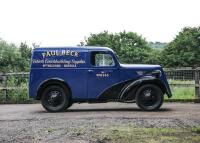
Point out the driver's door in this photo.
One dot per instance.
(102, 74)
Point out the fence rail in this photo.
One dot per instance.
(181, 81)
(185, 77)
(5, 87)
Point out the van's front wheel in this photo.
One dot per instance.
(149, 97)
(55, 98)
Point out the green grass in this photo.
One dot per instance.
(50, 130)
(196, 129)
(131, 134)
(79, 131)
(181, 92)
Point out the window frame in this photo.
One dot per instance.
(102, 52)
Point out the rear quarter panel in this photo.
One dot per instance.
(59, 63)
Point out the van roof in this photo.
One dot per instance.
(76, 47)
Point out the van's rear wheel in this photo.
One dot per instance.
(55, 98)
(149, 97)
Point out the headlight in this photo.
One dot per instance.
(140, 72)
(156, 73)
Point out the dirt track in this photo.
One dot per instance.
(31, 123)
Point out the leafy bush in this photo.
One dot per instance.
(13, 58)
(17, 95)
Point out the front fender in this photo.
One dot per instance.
(133, 86)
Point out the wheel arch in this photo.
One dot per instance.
(52, 81)
(156, 82)
(135, 85)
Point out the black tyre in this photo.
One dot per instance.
(69, 105)
(55, 98)
(149, 97)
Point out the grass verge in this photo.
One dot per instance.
(128, 134)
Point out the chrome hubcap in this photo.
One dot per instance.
(147, 93)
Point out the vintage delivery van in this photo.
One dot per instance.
(61, 76)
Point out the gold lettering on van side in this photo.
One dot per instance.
(52, 53)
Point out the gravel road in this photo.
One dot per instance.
(31, 123)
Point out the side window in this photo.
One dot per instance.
(101, 59)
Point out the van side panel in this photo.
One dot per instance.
(67, 64)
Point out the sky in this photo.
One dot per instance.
(67, 22)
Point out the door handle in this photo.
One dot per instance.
(108, 71)
(90, 71)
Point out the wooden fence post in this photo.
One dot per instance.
(5, 88)
(197, 85)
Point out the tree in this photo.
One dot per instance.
(184, 50)
(14, 58)
(8, 56)
(25, 52)
(129, 46)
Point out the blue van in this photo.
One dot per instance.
(61, 76)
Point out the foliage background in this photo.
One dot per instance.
(183, 51)
(130, 47)
(13, 58)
